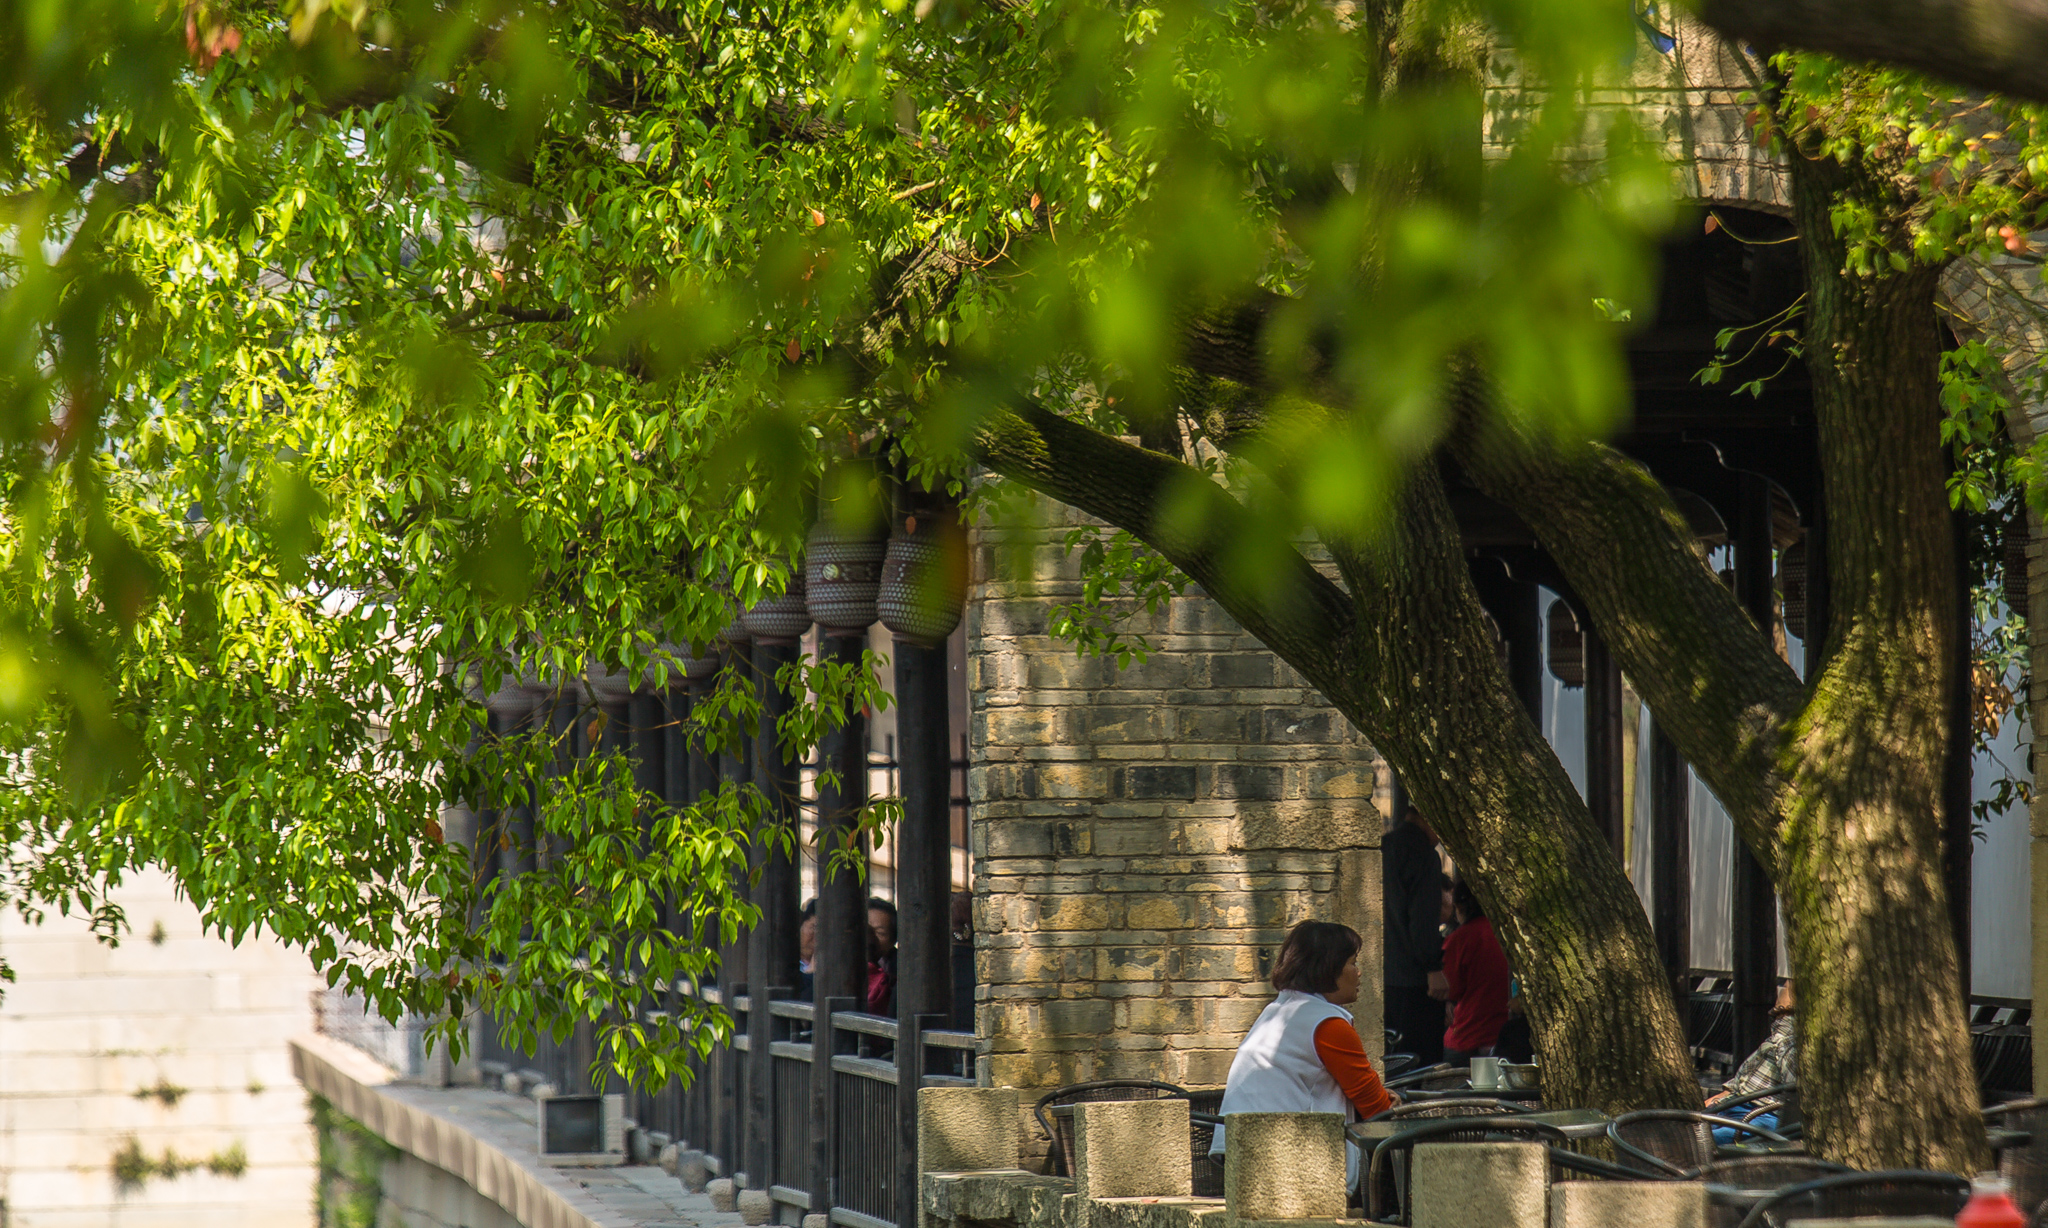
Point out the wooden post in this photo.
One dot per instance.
(1753, 907)
(840, 968)
(1671, 862)
(732, 981)
(1956, 784)
(824, 1106)
(924, 881)
(1605, 777)
(1523, 627)
(760, 1140)
(775, 943)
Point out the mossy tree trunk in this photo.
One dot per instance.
(1402, 648)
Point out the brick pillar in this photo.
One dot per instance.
(1144, 838)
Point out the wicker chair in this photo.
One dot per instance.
(1441, 1077)
(1781, 1101)
(1061, 1129)
(1475, 1106)
(2025, 1166)
(1899, 1192)
(1674, 1144)
(1739, 1183)
(1393, 1151)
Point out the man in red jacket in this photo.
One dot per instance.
(1477, 970)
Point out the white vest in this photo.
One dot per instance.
(1277, 1069)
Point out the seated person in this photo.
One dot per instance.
(1302, 1054)
(1776, 1061)
(1477, 972)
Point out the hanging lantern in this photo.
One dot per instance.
(1792, 587)
(843, 576)
(2016, 588)
(1567, 646)
(924, 580)
(779, 620)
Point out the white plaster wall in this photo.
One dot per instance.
(85, 1026)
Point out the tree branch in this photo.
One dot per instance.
(1998, 45)
(1711, 677)
(1297, 610)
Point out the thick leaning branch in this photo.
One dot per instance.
(1997, 45)
(1305, 616)
(1715, 683)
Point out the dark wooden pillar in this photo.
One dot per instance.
(776, 891)
(1516, 608)
(1605, 775)
(1671, 862)
(1957, 845)
(842, 948)
(1753, 910)
(924, 887)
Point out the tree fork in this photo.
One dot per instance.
(1472, 757)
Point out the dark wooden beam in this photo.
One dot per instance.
(1605, 779)
(924, 887)
(1671, 862)
(1956, 784)
(1753, 909)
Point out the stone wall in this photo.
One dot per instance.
(171, 1046)
(1144, 838)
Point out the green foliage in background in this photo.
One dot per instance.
(359, 358)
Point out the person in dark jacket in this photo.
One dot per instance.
(1412, 882)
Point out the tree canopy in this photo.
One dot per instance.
(361, 357)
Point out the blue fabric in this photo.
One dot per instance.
(1724, 1135)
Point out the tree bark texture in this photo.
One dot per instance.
(1884, 1044)
(1999, 45)
(1407, 656)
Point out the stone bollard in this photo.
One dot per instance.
(1625, 1204)
(965, 1129)
(542, 1091)
(755, 1207)
(693, 1169)
(510, 1082)
(817, 1221)
(1132, 1149)
(1502, 1185)
(671, 1160)
(725, 1196)
(1284, 1166)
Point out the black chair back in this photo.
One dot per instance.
(1475, 1106)
(1061, 1129)
(1896, 1192)
(1397, 1148)
(1674, 1144)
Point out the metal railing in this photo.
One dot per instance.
(857, 1152)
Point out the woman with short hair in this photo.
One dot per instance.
(1302, 1054)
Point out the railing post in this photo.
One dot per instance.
(824, 1106)
(761, 1088)
(731, 1107)
(912, 1064)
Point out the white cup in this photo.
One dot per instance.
(1486, 1074)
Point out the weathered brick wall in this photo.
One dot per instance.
(1144, 838)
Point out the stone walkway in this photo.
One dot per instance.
(489, 1139)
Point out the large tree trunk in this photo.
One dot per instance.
(1884, 1046)
(1408, 656)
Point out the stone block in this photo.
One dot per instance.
(1161, 912)
(1163, 1016)
(1155, 781)
(693, 1169)
(1241, 669)
(1132, 1149)
(1250, 782)
(724, 1194)
(1211, 722)
(1284, 1166)
(966, 1129)
(1627, 1204)
(1502, 1185)
(1082, 1017)
(755, 1207)
(817, 1221)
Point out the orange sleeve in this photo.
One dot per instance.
(1337, 1045)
